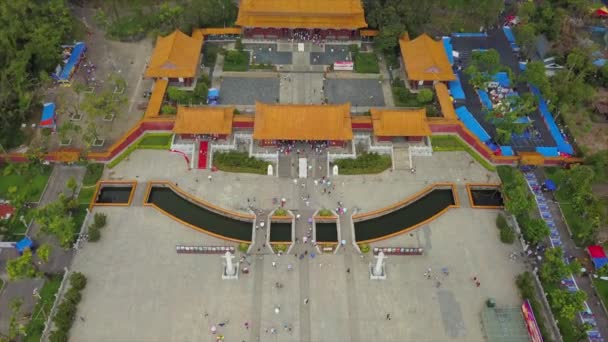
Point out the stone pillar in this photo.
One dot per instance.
(231, 270)
(377, 271)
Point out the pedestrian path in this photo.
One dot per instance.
(569, 283)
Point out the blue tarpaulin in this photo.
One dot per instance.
(522, 66)
(48, 115)
(471, 123)
(562, 145)
(447, 45)
(502, 78)
(599, 262)
(509, 34)
(69, 67)
(492, 146)
(456, 89)
(470, 35)
(484, 98)
(506, 151)
(25, 243)
(550, 185)
(599, 62)
(548, 151)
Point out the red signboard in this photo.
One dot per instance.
(531, 324)
(344, 65)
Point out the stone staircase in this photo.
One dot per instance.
(401, 159)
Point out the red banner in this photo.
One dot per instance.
(531, 324)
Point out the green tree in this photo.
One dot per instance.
(518, 200)
(535, 230)
(29, 51)
(599, 163)
(15, 327)
(487, 61)
(55, 219)
(21, 267)
(425, 96)
(72, 185)
(535, 75)
(506, 115)
(99, 105)
(554, 268)
(44, 252)
(565, 303)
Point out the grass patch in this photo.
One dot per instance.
(210, 52)
(35, 326)
(154, 140)
(365, 163)
(34, 184)
(150, 140)
(235, 60)
(444, 143)
(239, 162)
(366, 63)
(601, 287)
(86, 194)
(93, 174)
(79, 214)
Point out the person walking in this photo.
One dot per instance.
(388, 316)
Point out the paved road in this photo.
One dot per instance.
(570, 249)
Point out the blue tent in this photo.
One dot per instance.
(471, 123)
(502, 78)
(550, 185)
(48, 116)
(213, 96)
(548, 151)
(507, 151)
(456, 89)
(449, 51)
(77, 52)
(509, 34)
(25, 243)
(562, 145)
(485, 99)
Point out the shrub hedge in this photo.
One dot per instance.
(365, 163)
(66, 311)
(234, 161)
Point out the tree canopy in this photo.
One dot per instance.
(32, 33)
(393, 17)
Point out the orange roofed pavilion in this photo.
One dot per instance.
(311, 14)
(410, 123)
(176, 57)
(302, 122)
(425, 60)
(204, 120)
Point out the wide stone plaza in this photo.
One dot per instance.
(141, 289)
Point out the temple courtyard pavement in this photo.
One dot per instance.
(140, 289)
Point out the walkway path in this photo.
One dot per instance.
(549, 211)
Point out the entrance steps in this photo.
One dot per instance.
(401, 157)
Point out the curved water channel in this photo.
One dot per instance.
(198, 216)
(413, 213)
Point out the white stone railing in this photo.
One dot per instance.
(424, 151)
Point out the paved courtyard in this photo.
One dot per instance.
(332, 54)
(268, 54)
(140, 289)
(359, 92)
(246, 90)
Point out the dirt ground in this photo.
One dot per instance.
(126, 60)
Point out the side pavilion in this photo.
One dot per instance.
(425, 61)
(392, 124)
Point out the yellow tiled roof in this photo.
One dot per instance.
(425, 59)
(337, 14)
(203, 120)
(176, 55)
(156, 99)
(400, 122)
(302, 122)
(445, 102)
